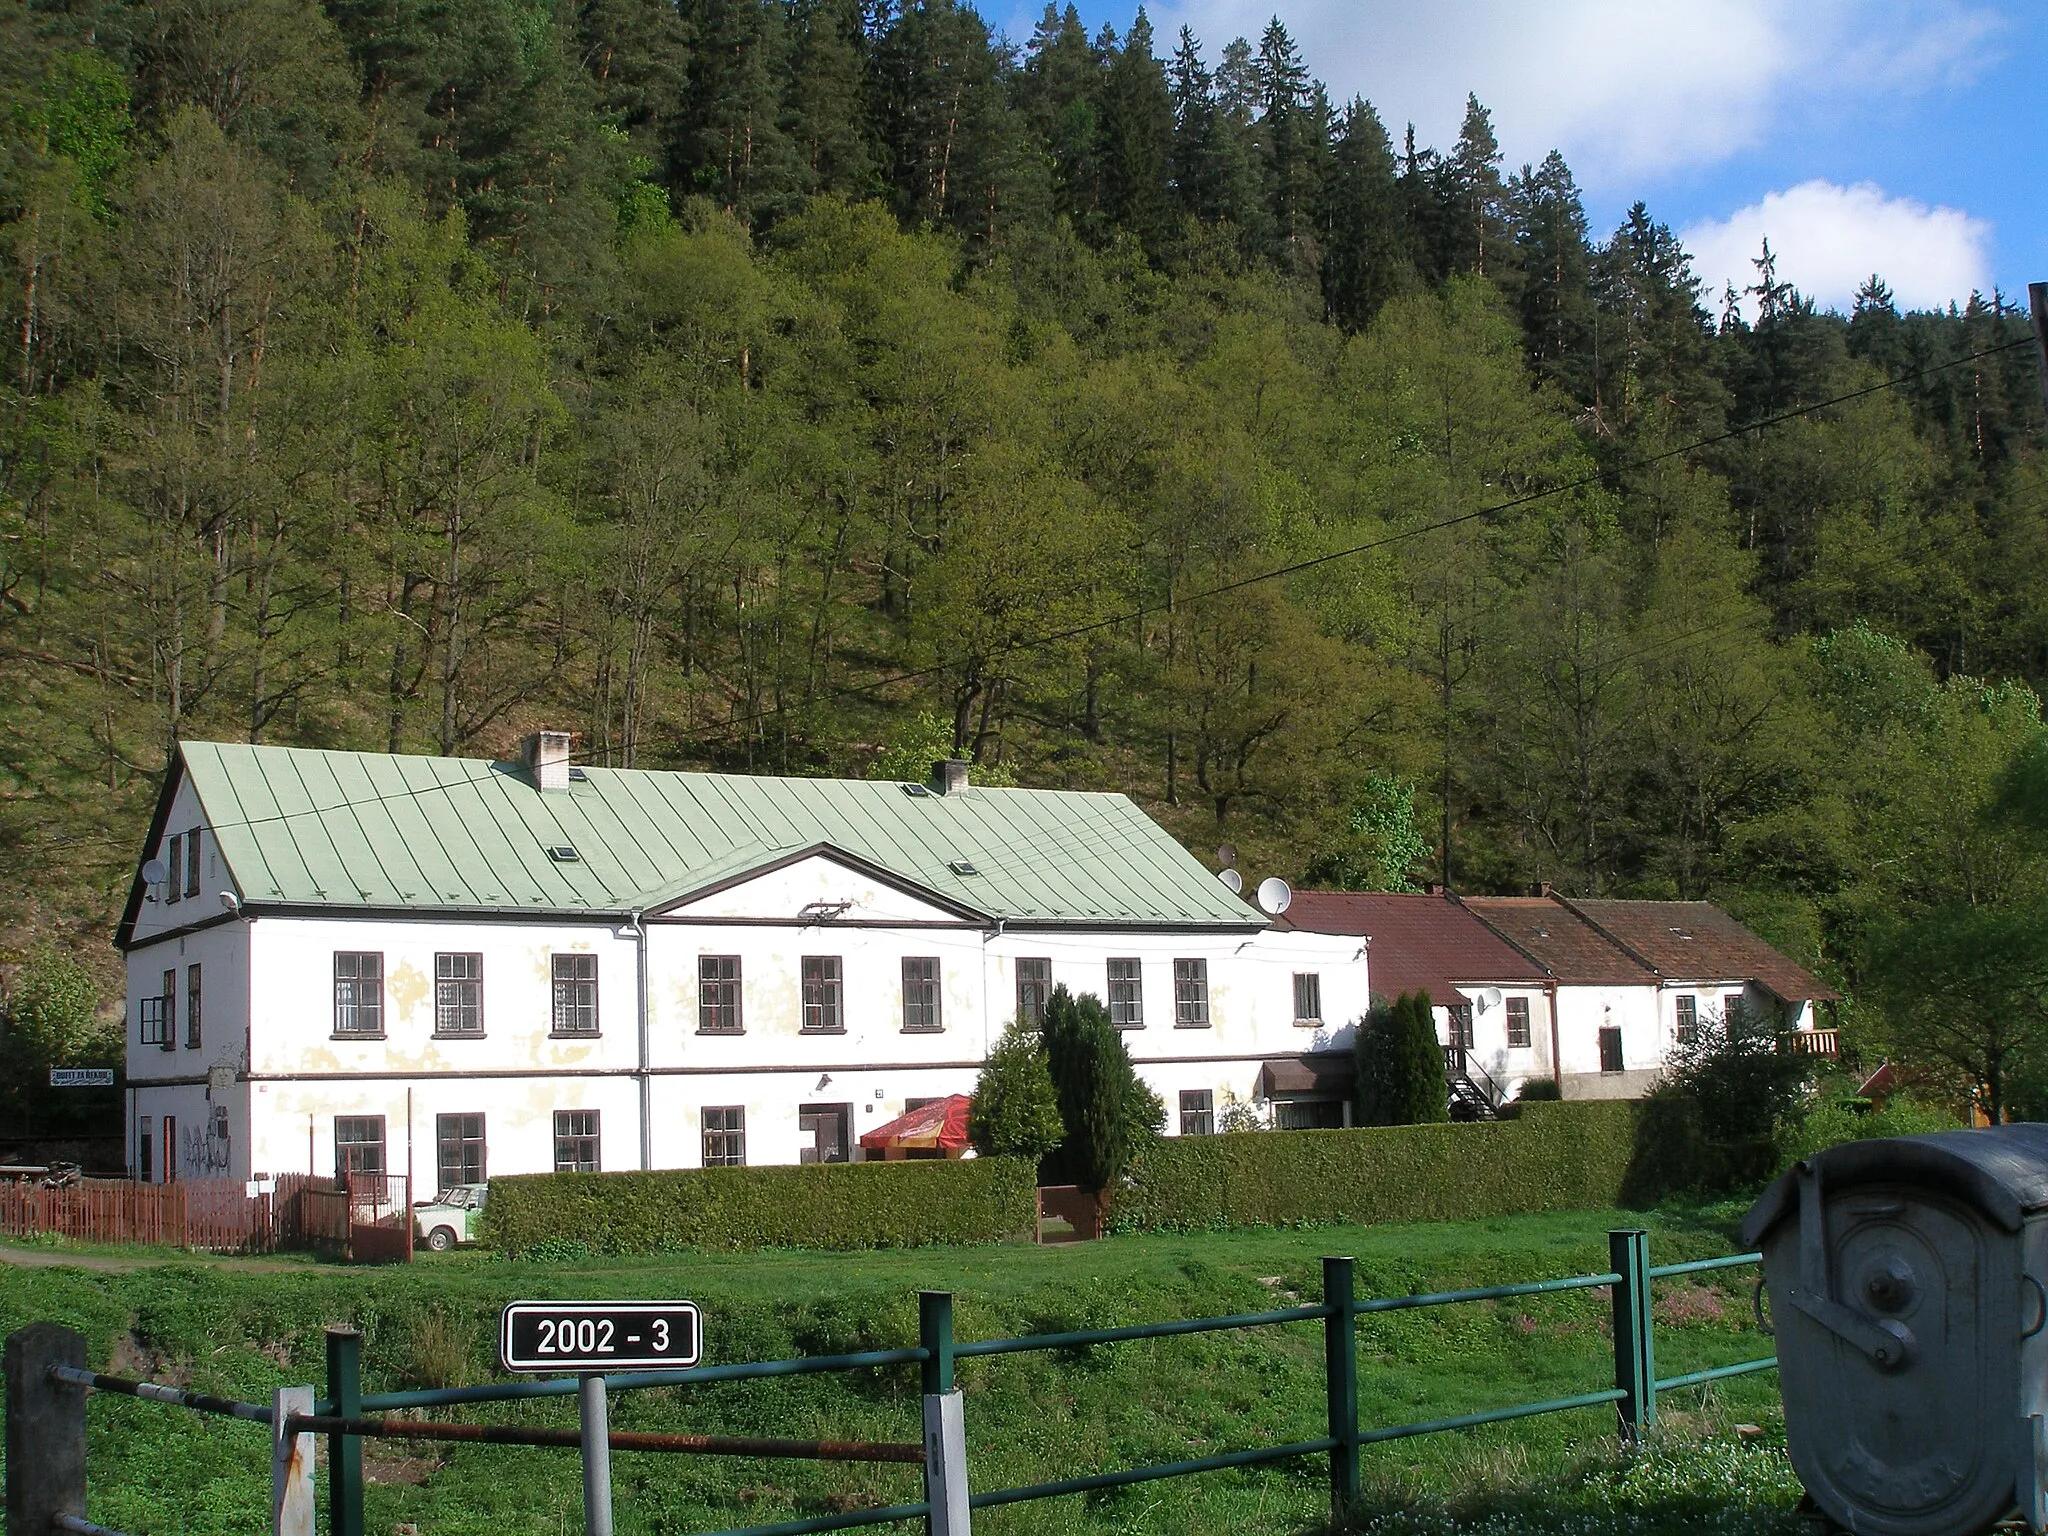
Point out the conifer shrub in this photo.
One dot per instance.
(1016, 1112)
(1401, 1065)
(1108, 1111)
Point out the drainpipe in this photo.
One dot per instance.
(639, 931)
(1556, 1060)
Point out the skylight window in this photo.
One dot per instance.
(962, 867)
(564, 853)
(917, 791)
(578, 776)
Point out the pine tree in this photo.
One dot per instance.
(1555, 275)
(1137, 140)
(828, 110)
(1365, 260)
(734, 148)
(1296, 141)
(1057, 91)
(1475, 226)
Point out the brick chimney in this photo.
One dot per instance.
(546, 754)
(949, 776)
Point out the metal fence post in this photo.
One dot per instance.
(1340, 1376)
(345, 1452)
(45, 1429)
(945, 1428)
(597, 1455)
(1635, 1366)
(291, 1465)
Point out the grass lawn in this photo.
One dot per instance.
(242, 1330)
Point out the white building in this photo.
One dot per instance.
(461, 967)
(1594, 995)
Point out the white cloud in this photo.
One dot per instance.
(1624, 87)
(1829, 238)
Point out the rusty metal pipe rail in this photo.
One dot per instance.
(620, 1439)
(176, 1397)
(78, 1525)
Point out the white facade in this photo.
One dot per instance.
(280, 1059)
(1493, 1050)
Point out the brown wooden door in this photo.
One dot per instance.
(829, 1126)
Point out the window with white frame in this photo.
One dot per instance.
(1034, 988)
(718, 995)
(1126, 995)
(1308, 997)
(575, 978)
(1190, 994)
(725, 1136)
(458, 994)
(921, 1015)
(358, 992)
(1688, 1008)
(576, 1141)
(824, 1000)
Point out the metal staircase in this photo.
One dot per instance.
(1474, 1094)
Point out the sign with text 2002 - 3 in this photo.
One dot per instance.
(599, 1335)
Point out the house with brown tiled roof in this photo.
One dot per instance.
(1492, 1002)
(1595, 994)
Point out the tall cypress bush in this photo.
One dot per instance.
(1401, 1065)
(1108, 1111)
(1015, 1113)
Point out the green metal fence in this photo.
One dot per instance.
(1630, 1277)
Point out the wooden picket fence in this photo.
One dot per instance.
(204, 1215)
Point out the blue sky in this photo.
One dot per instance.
(1897, 136)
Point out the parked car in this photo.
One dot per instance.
(454, 1218)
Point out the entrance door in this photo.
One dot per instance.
(170, 1149)
(1610, 1048)
(830, 1128)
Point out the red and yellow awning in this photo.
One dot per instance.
(940, 1125)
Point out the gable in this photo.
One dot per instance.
(195, 871)
(812, 882)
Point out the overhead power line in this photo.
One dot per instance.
(1582, 482)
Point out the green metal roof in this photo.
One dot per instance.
(379, 831)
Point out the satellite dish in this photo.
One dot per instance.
(1274, 895)
(1227, 855)
(154, 873)
(1234, 880)
(1489, 997)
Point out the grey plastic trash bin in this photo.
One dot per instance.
(1905, 1279)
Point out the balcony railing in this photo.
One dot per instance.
(1811, 1042)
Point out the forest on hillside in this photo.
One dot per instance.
(817, 386)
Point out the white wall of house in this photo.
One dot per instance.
(271, 1018)
(1509, 1066)
(1642, 1017)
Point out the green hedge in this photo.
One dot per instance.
(1571, 1156)
(829, 1205)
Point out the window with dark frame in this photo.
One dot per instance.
(823, 996)
(145, 1150)
(1197, 1112)
(1518, 1023)
(358, 992)
(1731, 1007)
(576, 1141)
(459, 994)
(1034, 989)
(1688, 1019)
(1126, 995)
(359, 1146)
(174, 869)
(575, 994)
(1308, 997)
(1611, 1059)
(1190, 994)
(459, 1142)
(921, 1014)
(170, 1010)
(192, 1007)
(192, 862)
(725, 1136)
(718, 995)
